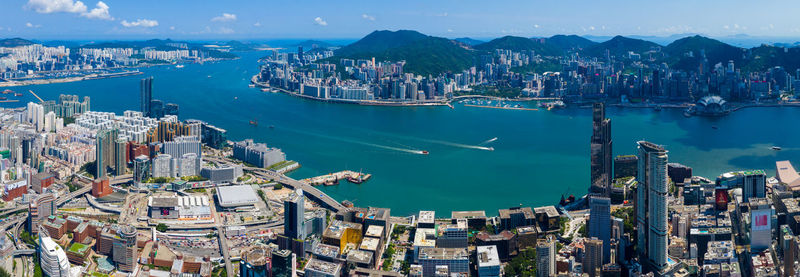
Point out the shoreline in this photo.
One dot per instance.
(69, 79)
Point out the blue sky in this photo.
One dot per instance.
(209, 19)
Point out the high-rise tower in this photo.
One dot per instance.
(600, 151)
(651, 205)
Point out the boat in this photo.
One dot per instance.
(657, 108)
(236, 98)
(423, 152)
(7, 91)
(272, 126)
(17, 94)
(776, 148)
(714, 127)
(209, 76)
(264, 90)
(179, 66)
(490, 148)
(3, 98)
(254, 122)
(252, 85)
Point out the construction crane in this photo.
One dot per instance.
(37, 96)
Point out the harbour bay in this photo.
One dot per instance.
(538, 156)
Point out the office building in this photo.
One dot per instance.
(101, 187)
(456, 260)
(600, 223)
(39, 210)
(52, 258)
(753, 183)
(141, 169)
(453, 235)
(256, 262)
(760, 224)
(514, 217)
(146, 95)
(41, 181)
(546, 257)
(592, 257)
(293, 215)
(319, 268)
(488, 261)
(125, 251)
(284, 263)
(600, 151)
(651, 205)
(257, 154)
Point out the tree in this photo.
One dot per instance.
(4, 273)
(277, 186)
(161, 227)
(523, 264)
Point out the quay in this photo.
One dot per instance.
(334, 178)
(502, 108)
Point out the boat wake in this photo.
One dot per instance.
(488, 141)
(460, 145)
(348, 140)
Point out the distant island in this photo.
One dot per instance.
(408, 68)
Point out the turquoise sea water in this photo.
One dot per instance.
(538, 155)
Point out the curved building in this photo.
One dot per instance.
(711, 106)
(53, 259)
(124, 249)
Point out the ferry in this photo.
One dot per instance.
(776, 148)
(179, 66)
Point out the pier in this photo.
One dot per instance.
(334, 178)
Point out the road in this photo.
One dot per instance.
(311, 192)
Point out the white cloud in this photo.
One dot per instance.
(257, 24)
(591, 28)
(31, 25)
(224, 30)
(100, 12)
(172, 28)
(441, 14)
(147, 23)
(368, 17)
(319, 21)
(449, 30)
(726, 27)
(70, 6)
(224, 17)
(536, 26)
(54, 6)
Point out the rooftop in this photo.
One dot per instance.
(374, 231)
(443, 254)
(78, 248)
(787, 174)
(370, 244)
(487, 256)
(337, 228)
(162, 202)
(359, 256)
(525, 211)
(323, 266)
(468, 214)
(425, 237)
(426, 217)
(232, 196)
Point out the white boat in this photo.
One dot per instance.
(251, 85)
(776, 148)
(179, 66)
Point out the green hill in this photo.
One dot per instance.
(715, 51)
(14, 42)
(619, 46)
(469, 41)
(519, 44)
(569, 42)
(423, 54)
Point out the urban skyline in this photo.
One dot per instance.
(114, 19)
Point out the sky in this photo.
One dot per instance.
(276, 19)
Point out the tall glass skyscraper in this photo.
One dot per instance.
(651, 205)
(293, 216)
(146, 91)
(600, 151)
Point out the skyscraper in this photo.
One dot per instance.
(593, 256)
(52, 257)
(125, 250)
(546, 257)
(293, 215)
(146, 91)
(600, 151)
(141, 169)
(651, 205)
(600, 223)
(120, 156)
(105, 150)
